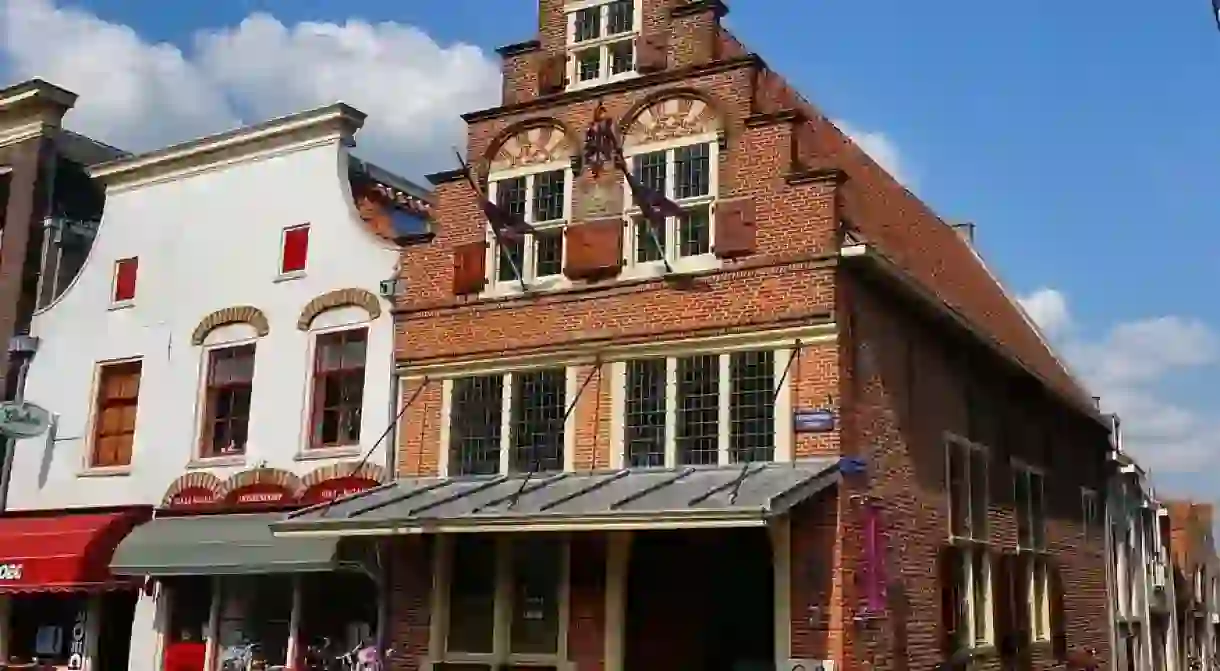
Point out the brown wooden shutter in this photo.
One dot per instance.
(552, 70)
(736, 230)
(594, 249)
(1005, 604)
(1055, 596)
(949, 570)
(652, 53)
(469, 268)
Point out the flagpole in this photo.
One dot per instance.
(495, 231)
(647, 210)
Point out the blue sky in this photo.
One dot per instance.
(1081, 137)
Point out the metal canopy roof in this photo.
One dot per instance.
(732, 496)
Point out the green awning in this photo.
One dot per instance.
(219, 545)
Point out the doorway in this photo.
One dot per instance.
(700, 600)
(114, 630)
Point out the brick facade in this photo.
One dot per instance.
(897, 375)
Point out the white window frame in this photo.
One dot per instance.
(1021, 469)
(438, 645)
(782, 413)
(700, 262)
(571, 389)
(497, 287)
(1089, 513)
(601, 43)
(973, 546)
(1037, 579)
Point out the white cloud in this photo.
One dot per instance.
(140, 95)
(879, 146)
(1130, 367)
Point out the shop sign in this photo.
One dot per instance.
(813, 420)
(76, 646)
(336, 488)
(192, 497)
(261, 493)
(10, 572)
(23, 420)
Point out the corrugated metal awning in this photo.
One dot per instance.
(689, 497)
(219, 545)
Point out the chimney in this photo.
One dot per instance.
(966, 230)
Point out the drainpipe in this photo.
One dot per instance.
(21, 349)
(1113, 481)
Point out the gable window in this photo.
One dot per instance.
(1029, 502)
(338, 388)
(125, 273)
(699, 410)
(504, 599)
(115, 418)
(686, 175)
(602, 42)
(541, 199)
(511, 422)
(230, 383)
(968, 579)
(294, 250)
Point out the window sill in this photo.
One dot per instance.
(689, 265)
(287, 277)
(122, 305)
(321, 453)
(600, 81)
(513, 288)
(213, 462)
(104, 472)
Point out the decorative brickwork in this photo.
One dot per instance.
(538, 142)
(337, 299)
(195, 480)
(344, 469)
(672, 116)
(231, 315)
(262, 476)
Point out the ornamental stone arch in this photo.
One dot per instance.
(366, 471)
(337, 299)
(247, 314)
(262, 476)
(194, 481)
(532, 142)
(668, 115)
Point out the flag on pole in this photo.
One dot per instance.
(503, 222)
(1216, 12)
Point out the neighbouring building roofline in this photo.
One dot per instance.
(336, 122)
(29, 109)
(36, 91)
(877, 260)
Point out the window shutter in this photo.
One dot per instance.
(469, 268)
(736, 231)
(652, 53)
(949, 570)
(1055, 595)
(296, 249)
(594, 248)
(125, 272)
(1005, 604)
(551, 73)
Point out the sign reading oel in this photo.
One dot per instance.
(76, 646)
(10, 572)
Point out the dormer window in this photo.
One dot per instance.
(602, 40)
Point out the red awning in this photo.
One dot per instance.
(62, 553)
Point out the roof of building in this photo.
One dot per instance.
(407, 205)
(744, 495)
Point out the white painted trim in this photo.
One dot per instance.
(86, 458)
(305, 447)
(601, 43)
(213, 631)
(728, 520)
(443, 449)
(781, 557)
(27, 131)
(587, 353)
(496, 287)
(93, 629)
(618, 400)
(161, 610)
(294, 623)
(618, 562)
(785, 443)
(572, 386)
(201, 391)
(527, 170)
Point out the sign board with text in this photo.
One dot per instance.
(23, 419)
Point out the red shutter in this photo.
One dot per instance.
(1055, 595)
(469, 268)
(125, 271)
(652, 53)
(736, 233)
(949, 572)
(296, 249)
(594, 249)
(552, 70)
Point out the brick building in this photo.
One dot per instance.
(801, 424)
(1194, 561)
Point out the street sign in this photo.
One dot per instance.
(23, 419)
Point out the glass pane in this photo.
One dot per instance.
(959, 492)
(650, 170)
(510, 194)
(548, 252)
(537, 570)
(190, 605)
(1022, 504)
(648, 248)
(979, 575)
(508, 262)
(1037, 511)
(695, 231)
(698, 410)
(254, 618)
(588, 24)
(549, 196)
(692, 170)
(621, 17)
(622, 56)
(474, 427)
(752, 406)
(538, 409)
(978, 494)
(644, 416)
(472, 594)
(589, 64)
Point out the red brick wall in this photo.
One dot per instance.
(908, 387)
(410, 601)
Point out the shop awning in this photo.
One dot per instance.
(66, 552)
(219, 545)
(691, 497)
